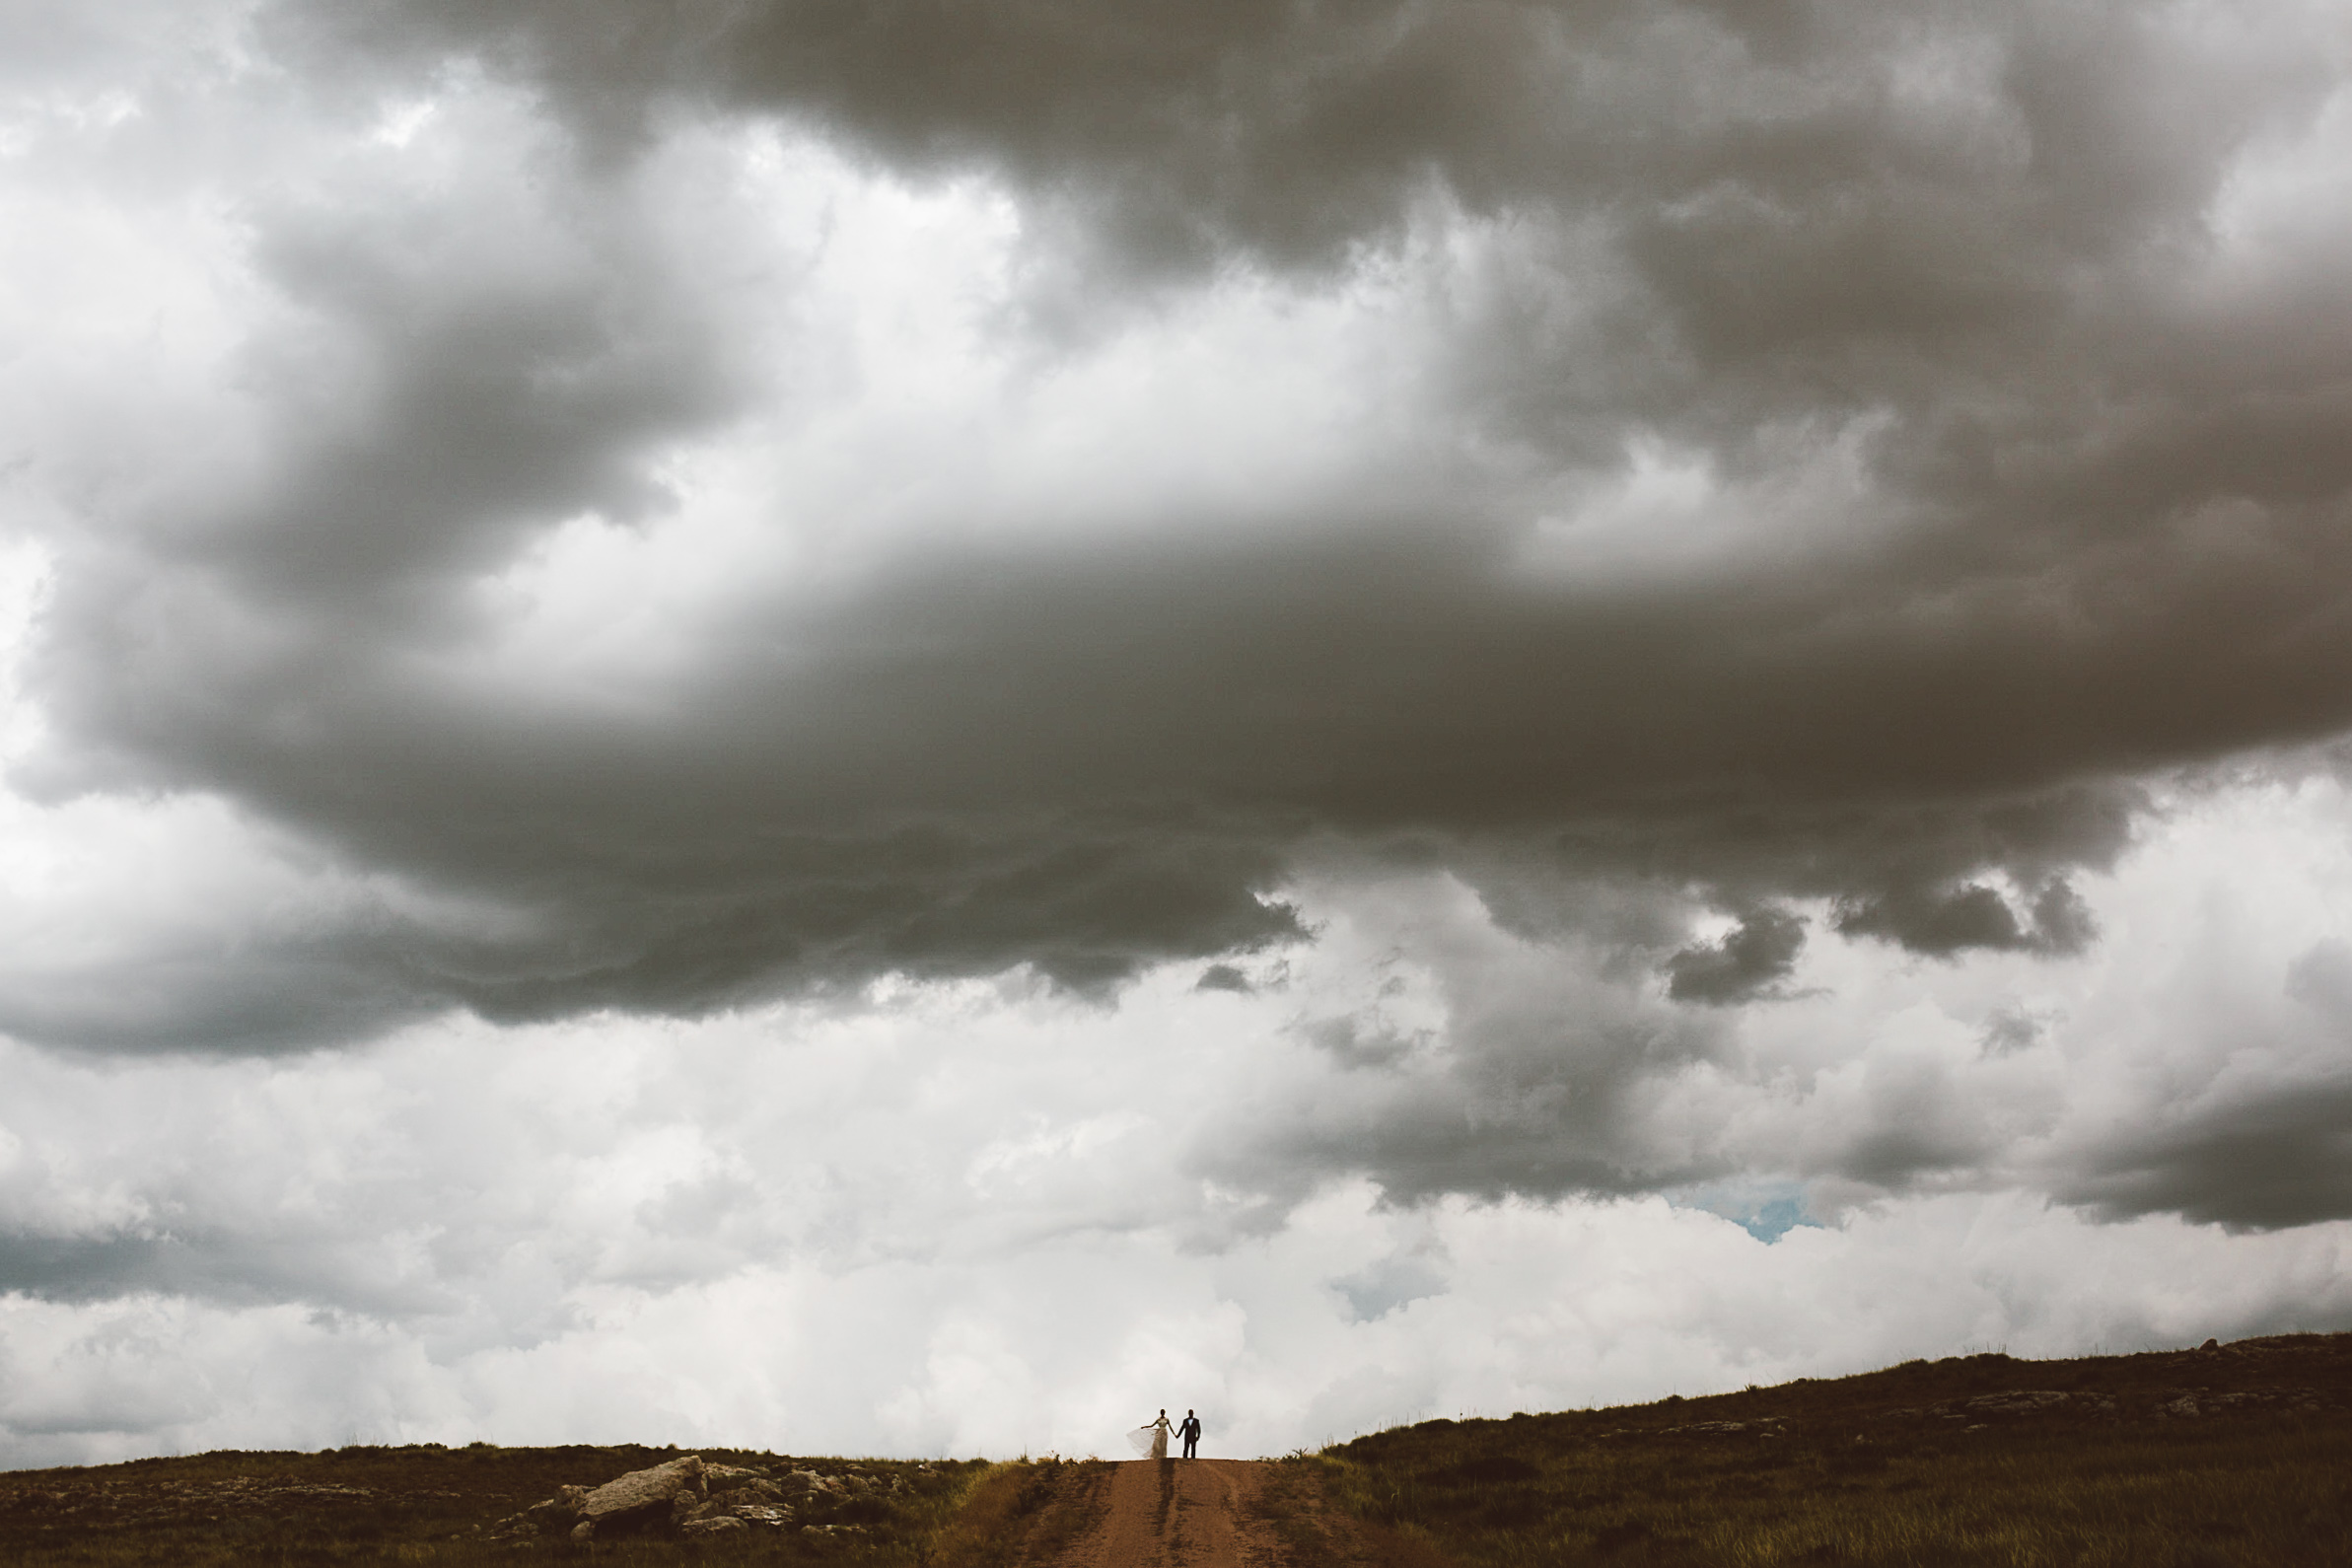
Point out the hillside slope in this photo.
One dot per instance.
(2231, 1454)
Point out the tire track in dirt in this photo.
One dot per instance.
(1180, 1513)
(1203, 1515)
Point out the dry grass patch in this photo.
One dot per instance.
(1023, 1512)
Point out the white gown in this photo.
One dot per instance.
(1151, 1440)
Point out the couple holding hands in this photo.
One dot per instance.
(1153, 1435)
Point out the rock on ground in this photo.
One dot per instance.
(644, 1497)
(686, 1497)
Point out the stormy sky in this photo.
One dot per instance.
(907, 726)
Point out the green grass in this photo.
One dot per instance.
(1868, 1470)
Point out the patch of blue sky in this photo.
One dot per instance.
(1767, 1209)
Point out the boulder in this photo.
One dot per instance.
(645, 1498)
(760, 1515)
(798, 1483)
(712, 1527)
(728, 1477)
(737, 1505)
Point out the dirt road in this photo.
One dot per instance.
(1186, 1513)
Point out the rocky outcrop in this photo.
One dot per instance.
(692, 1498)
(1763, 1426)
(2016, 1403)
(2189, 1402)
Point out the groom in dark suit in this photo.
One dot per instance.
(1189, 1430)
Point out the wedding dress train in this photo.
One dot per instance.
(1151, 1439)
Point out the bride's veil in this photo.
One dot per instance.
(1140, 1439)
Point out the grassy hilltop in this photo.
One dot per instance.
(2238, 1454)
(2234, 1455)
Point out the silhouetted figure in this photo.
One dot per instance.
(1159, 1430)
(1189, 1430)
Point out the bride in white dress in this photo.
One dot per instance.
(1151, 1439)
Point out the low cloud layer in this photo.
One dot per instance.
(989, 1216)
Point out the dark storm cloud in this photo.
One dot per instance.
(1084, 767)
(287, 991)
(1548, 1074)
(1297, 130)
(2095, 526)
(1746, 963)
(2266, 1143)
(1224, 977)
(2261, 1162)
(1949, 920)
